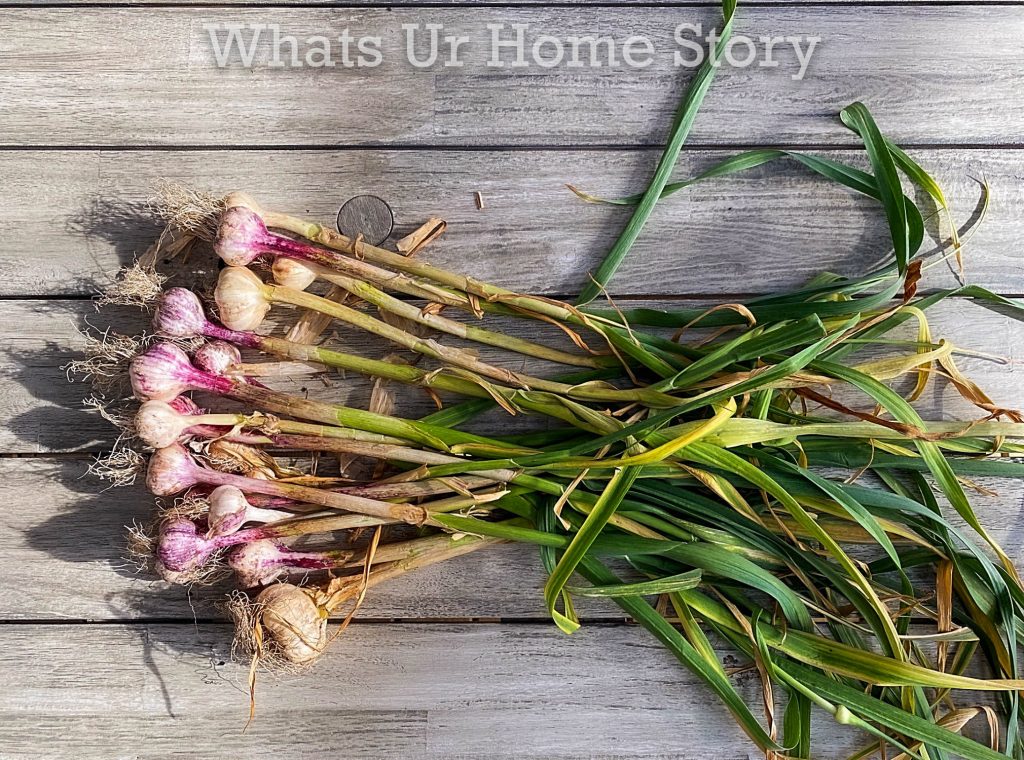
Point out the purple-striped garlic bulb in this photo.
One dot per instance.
(241, 237)
(230, 510)
(181, 550)
(164, 371)
(179, 314)
(172, 470)
(257, 563)
(217, 357)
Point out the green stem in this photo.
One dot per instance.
(513, 399)
(432, 436)
(467, 292)
(411, 266)
(407, 310)
(416, 552)
(346, 268)
(464, 359)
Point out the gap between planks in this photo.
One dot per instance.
(609, 147)
(510, 4)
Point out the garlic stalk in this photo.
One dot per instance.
(243, 300)
(257, 563)
(366, 291)
(173, 470)
(157, 422)
(229, 510)
(183, 552)
(179, 314)
(164, 371)
(243, 235)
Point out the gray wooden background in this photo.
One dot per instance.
(101, 101)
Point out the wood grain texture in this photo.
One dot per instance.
(382, 692)
(70, 219)
(138, 76)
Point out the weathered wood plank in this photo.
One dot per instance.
(146, 76)
(70, 219)
(45, 415)
(397, 691)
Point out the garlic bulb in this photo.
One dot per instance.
(230, 510)
(179, 314)
(239, 236)
(159, 424)
(171, 470)
(241, 302)
(240, 199)
(217, 357)
(184, 405)
(292, 274)
(258, 563)
(181, 550)
(163, 372)
(294, 622)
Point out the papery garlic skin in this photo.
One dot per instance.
(184, 405)
(258, 563)
(180, 549)
(294, 622)
(227, 512)
(159, 424)
(239, 236)
(292, 273)
(161, 373)
(179, 314)
(243, 236)
(241, 302)
(230, 509)
(171, 470)
(242, 199)
(217, 357)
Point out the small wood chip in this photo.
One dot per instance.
(425, 234)
(479, 200)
